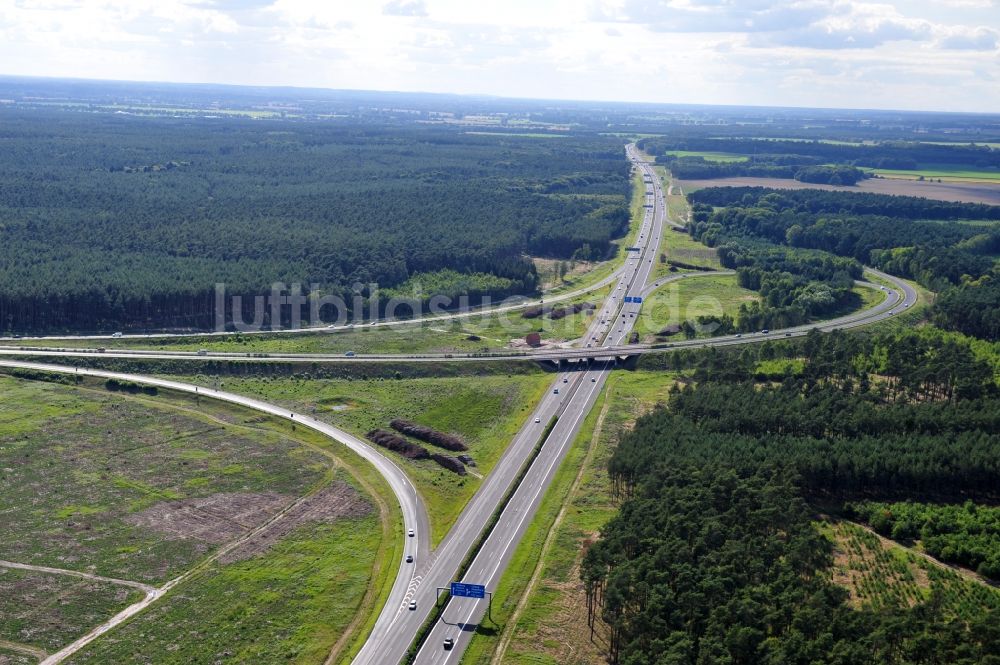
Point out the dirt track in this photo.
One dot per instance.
(939, 191)
(76, 573)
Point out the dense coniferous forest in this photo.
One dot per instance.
(713, 556)
(125, 221)
(905, 236)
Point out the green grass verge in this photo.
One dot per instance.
(473, 552)
(487, 411)
(691, 297)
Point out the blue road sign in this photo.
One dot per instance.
(468, 590)
(628, 298)
(637, 299)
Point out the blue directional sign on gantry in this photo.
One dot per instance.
(468, 590)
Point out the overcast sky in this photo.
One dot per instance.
(908, 54)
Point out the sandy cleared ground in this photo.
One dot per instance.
(939, 191)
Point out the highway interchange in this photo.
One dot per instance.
(570, 398)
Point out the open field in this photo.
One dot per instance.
(149, 488)
(945, 172)
(682, 248)
(551, 623)
(939, 191)
(82, 490)
(687, 299)
(9, 656)
(486, 412)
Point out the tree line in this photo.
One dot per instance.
(965, 534)
(797, 167)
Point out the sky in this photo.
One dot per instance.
(906, 54)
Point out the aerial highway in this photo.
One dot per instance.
(569, 399)
(613, 321)
(532, 453)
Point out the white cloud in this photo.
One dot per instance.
(854, 26)
(405, 8)
(974, 39)
(777, 52)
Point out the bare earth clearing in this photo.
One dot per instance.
(939, 191)
(326, 506)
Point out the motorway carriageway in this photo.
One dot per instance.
(574, 395)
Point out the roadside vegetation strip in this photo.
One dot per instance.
(487, 413)
(536, 594)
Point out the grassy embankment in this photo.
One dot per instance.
(688, 298)
(486, 411)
